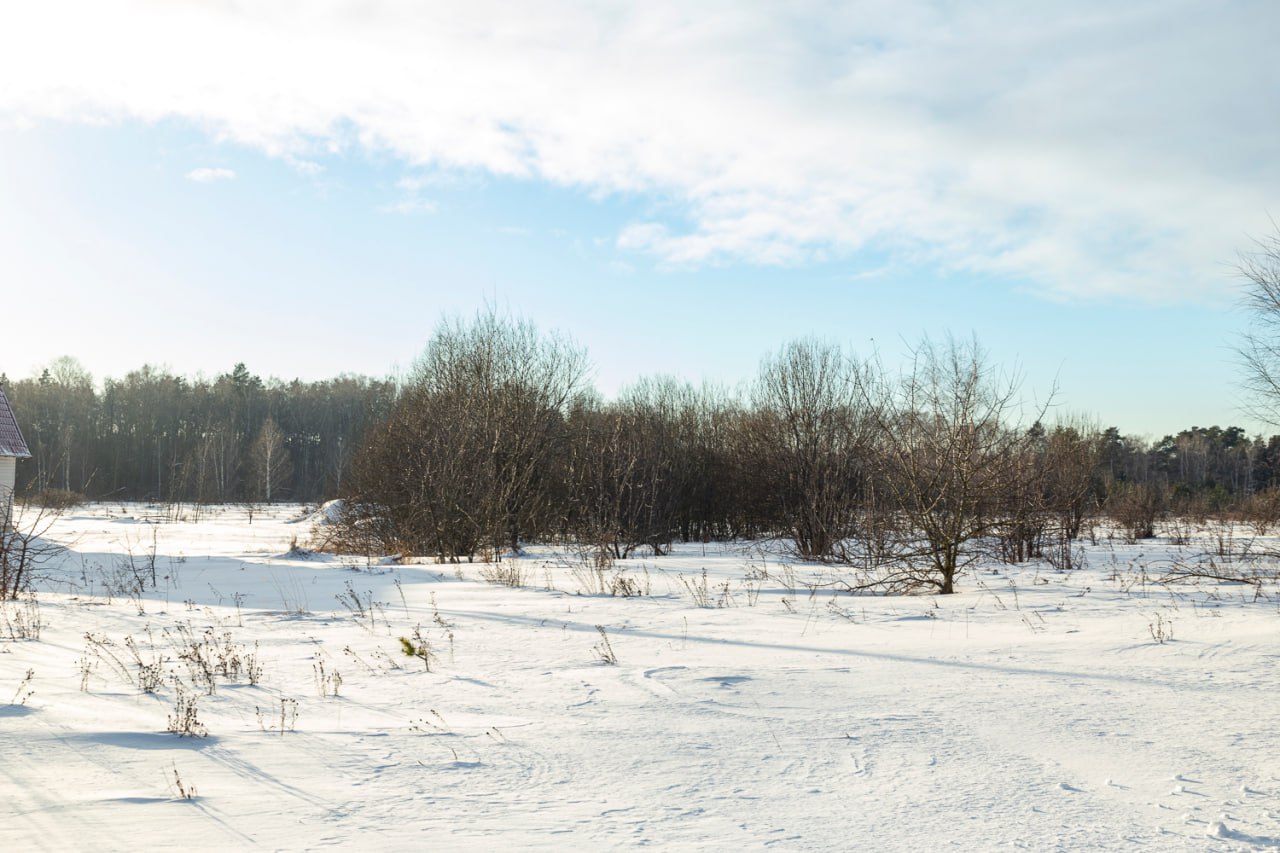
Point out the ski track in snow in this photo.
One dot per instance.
(1032, 711)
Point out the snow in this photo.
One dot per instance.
(1032, 710)
(327, 514)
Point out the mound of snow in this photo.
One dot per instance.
(328, 513)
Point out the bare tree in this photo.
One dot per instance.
(1073, 484)
(808, 438)
(1136, 506)
(630, 471)
(1052, 487)
(270, 460)
(1259, 350)
(472, 450)
(24, 548)
(948, 448)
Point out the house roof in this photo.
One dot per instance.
(11, 443)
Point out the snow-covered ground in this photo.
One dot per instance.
(1036, 710)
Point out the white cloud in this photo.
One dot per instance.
(302, 166)
(1090, 148)
(410, 206)
(206, 175)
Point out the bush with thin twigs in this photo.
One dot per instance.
(24, 548)
(360, 606)
(328, 682)
(1161, 629)
(211, 656)
(698, 590)
(509, 573)
(144, 669)
(185, 719)
(185, 791)
(285, 722)
(20, 617)
(604, 649)
(24, 691)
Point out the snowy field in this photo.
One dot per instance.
(1093, 710)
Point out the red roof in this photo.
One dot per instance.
(11, 443)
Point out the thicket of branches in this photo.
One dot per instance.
(496, 441)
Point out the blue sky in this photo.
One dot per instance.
(681, 192)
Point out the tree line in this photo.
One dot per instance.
(156, 436)
(496, 438)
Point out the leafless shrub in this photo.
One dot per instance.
(1261, 511)
(1259, 349)
(1161, 629)
(185, 719)
(60, 500)
(355, 656)
(508, 572)
(629, 481)
(212, 655)
(141, 566)
(121, 580)
(292, 594)
(1181, 530)
(698, 590)
(24, 691)
(1227, 544)
(24, 548)
(1136, 507)
(604, 649)
(809, 436)
(86, 667)
(328, 682)
(591, 572)
(385, 660)
(622, 585)
(1065, 555)
(150, 671)
(20, 617)
(445, 626)
(947, 455)
(465, 460)
(283, 718)
(361, 608)
(184, 790)
(143, 668)
(1256, 572)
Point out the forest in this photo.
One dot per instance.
(159, 437)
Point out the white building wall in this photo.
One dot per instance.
(8, 471)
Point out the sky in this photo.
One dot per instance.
(309, 188)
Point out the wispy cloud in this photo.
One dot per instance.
(303, 166)
(207, 175)
(1085, 149)
(410, 207)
